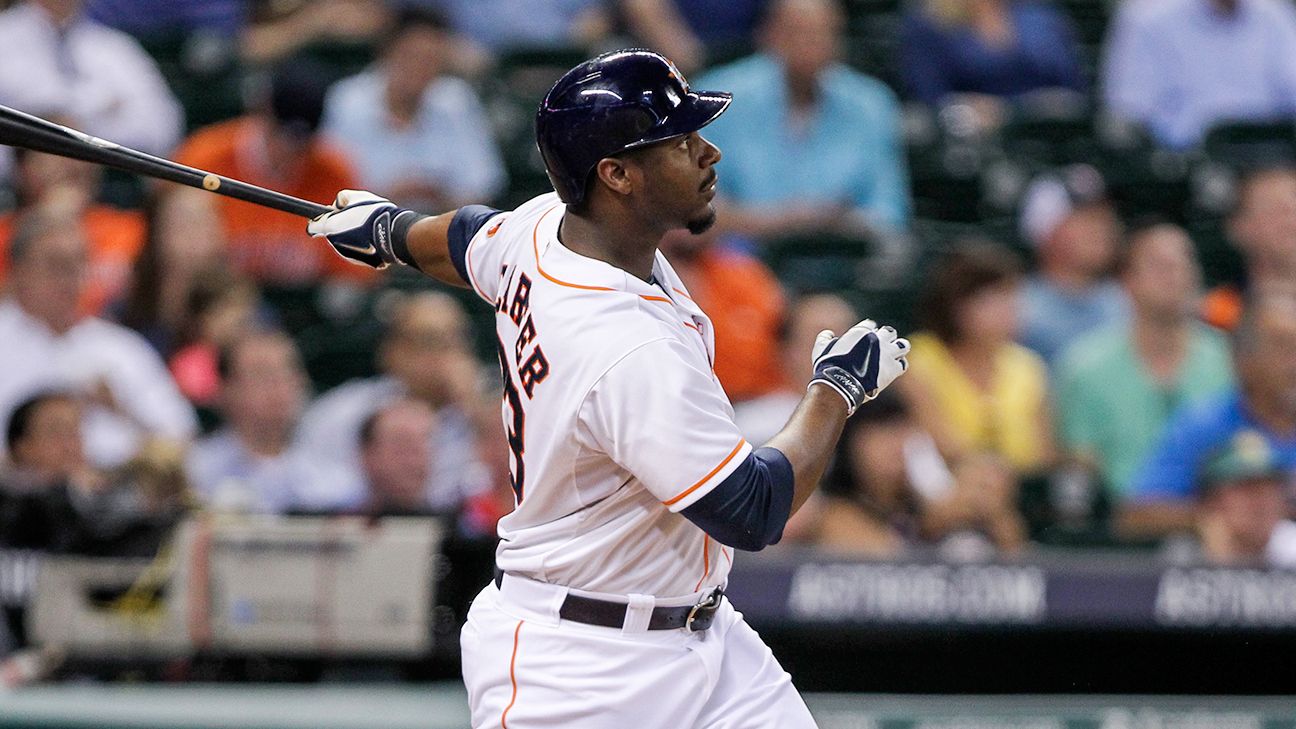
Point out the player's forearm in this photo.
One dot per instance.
(810, 438)
(428, 242)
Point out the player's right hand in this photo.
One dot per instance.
(359, 229)
(860, 363)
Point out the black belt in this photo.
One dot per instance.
(591, 611)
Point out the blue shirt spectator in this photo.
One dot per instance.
(1173, 469)
(939, 57)
(1180, 66)
(420, 137)
(693, 32)
(1264, 354)
(1052, 316)
(809, 144)
(144, 18)
(229, 477)
(502, 24)
(847, 151)
(1067, 216)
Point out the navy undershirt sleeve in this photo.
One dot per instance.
(463, 226)
(748, 509)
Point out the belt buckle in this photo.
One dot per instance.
(704, 611)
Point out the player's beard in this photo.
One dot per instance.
(701, 225)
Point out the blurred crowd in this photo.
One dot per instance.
(1085, 211)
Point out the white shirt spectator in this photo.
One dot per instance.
(1180, 66)
(447, 145)
(1281, 551)
(93, 351)
(230, 478)
(98, 77)
(330, 434)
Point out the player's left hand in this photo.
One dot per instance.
(360, 228)
(860, 363)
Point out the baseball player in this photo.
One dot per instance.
(632, 484)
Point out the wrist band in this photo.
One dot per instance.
(400, 227)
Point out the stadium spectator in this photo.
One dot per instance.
(277, 147)
(1119, 384)
(55, 61)
(888, 491)
(1073, 227)
(1242, 514)
(424, 355)
(223, 19)
(279, 30)
(497, 26)
(762, 417)
(693, 32)
(986, 53)
(53, 502)
(184, 237)
(1262, 227)
(395, 452)
(809, 144)
(1181, 66)
(1263, 402)
(867, 505)
(115, 236)
(419, 136)
(979, 394)
(251, 464)
(43, 436)
(220, 309)
(48, 343)
(744, 302)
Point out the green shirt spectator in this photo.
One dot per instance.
(1112, 409)
(1118, 385)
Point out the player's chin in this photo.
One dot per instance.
(702, 222)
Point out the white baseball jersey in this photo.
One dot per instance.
(615, 418)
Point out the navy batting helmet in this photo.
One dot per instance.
(612, 103)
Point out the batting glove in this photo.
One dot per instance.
(360, 229)
(860, 363)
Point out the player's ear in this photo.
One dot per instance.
(616, 174)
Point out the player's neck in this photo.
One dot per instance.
(614, 242)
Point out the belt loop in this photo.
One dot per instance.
(639, 611)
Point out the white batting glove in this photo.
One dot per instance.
(860, 363)
(360, 229)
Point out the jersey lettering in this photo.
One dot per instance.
(521, 305)
(515, 427)
(533, 371)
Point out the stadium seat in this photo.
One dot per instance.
(204, 73)
(1067, 507)
(1249, 143)
(523, 78)
(1051, 129)
(818, 262)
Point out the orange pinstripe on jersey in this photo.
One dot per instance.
(706, 562)
(705, 478)
(512, 676)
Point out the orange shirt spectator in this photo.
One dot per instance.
(1222, 307)
(270, 246)
(746, 306)
(115, 239)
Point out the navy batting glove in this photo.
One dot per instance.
(360, 229)
(860, 363)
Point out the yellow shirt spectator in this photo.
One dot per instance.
(1004, 418)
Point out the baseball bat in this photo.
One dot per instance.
(18, 129)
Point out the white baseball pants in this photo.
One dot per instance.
(525, 668)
